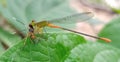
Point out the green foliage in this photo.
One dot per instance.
(94, 52)
(61, 48)
(54, 48)
(112, 32)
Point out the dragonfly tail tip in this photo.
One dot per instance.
(106, 39)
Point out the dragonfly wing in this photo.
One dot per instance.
(68, 22)
(73, 18)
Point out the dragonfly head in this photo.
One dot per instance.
(30, 26)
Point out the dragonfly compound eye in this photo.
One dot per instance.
(30, 26)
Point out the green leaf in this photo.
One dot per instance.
(49, 48)
(94, 52)
(8, 38)
(111, 31)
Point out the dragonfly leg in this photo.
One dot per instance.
(31, 35)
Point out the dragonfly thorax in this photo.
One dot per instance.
(41, 24)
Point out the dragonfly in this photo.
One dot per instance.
(55, 23)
